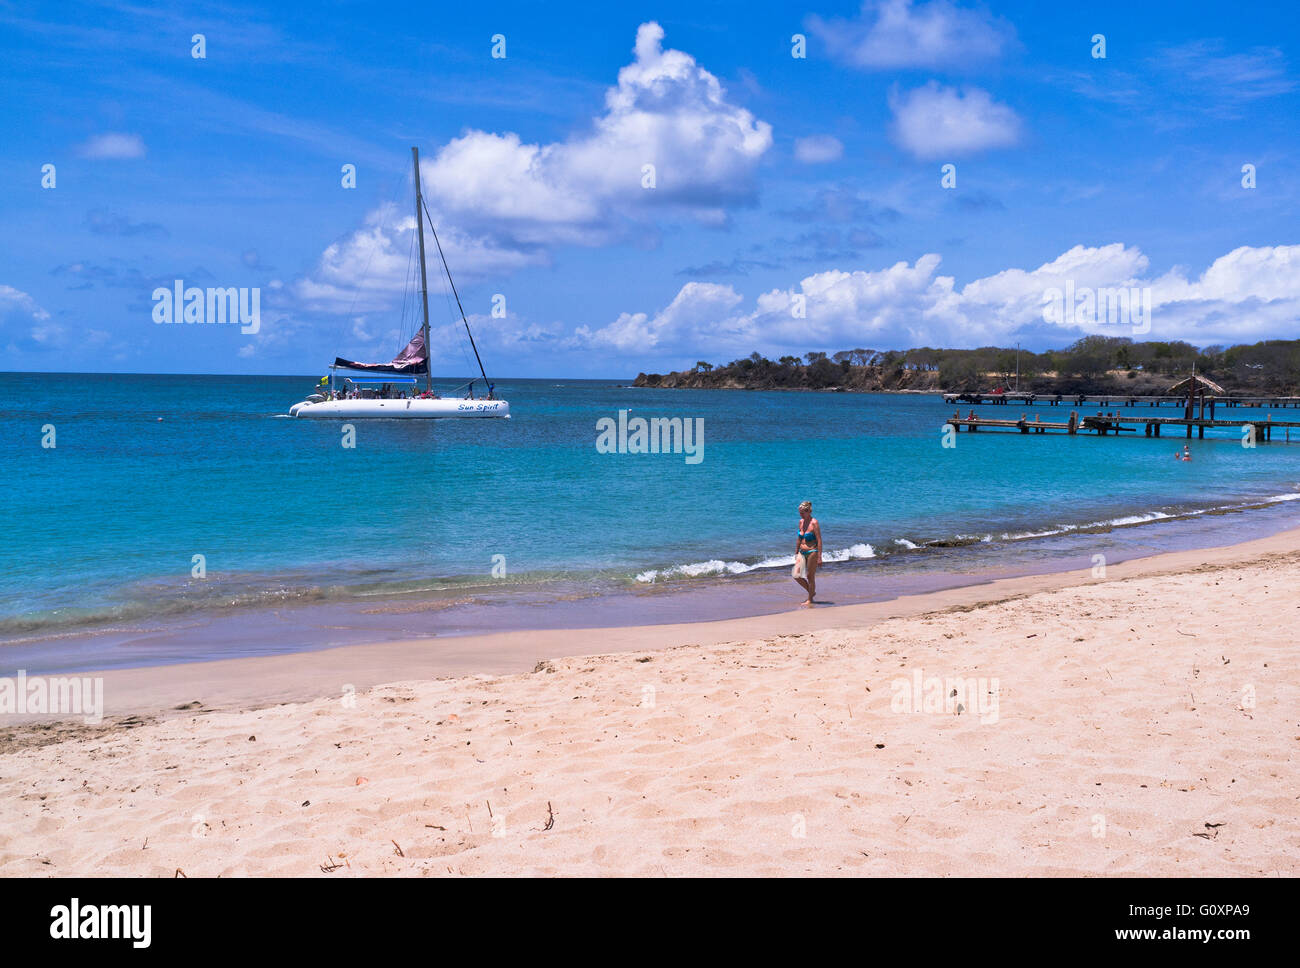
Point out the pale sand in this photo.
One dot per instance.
(1147, 724)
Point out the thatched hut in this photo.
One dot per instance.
(1195, 388)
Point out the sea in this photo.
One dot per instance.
(156, 519)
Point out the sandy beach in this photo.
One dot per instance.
(1143, 722)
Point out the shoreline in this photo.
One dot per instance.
(255, 682)
(1141, 724)
(878, 574)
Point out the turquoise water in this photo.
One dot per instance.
(103, 528)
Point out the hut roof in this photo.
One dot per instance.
(1202, 386)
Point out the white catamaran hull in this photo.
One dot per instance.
(400, 409)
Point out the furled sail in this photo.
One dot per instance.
(413, 359)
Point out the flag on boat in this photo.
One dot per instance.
(413, 359)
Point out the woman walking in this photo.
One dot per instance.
(808, 553)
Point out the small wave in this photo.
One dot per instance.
(1130, 520)
(905, 544)
(1026, 535)
(1134, 519)
(852, 552)
(716, 566)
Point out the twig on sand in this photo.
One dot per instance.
(399, 848)
(180, 873)
(330, 866)
(489, 806)
(1188, 634)
(550, 816)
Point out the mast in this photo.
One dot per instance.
(424, 282)
(464, 319)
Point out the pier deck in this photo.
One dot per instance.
(1106, 424)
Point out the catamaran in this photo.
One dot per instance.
(391, 390)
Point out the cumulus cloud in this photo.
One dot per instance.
(935, 121)
(367, 270)
(665, 111)
(112, 146)
(818, 148)
(1247, 295)
(697, 307)
(897, 34)
(501, 203)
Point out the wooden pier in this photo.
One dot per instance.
(1114, 424)
(1111, 400)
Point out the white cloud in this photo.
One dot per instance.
(366, 271)
(698, 307)
(360, 332)
(49, 336)
(665, 111)
(896, 34)
(501, 204)
(936, 121)
(16, 301)
(1246, 295)
(112, 146)
(818, 148)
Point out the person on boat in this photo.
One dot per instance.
(808, 553)
(492, 388)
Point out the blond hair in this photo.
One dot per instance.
(806, 504)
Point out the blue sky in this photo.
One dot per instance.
(797, 201)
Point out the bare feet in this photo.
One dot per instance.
(808, 604)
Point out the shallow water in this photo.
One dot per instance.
(454, 526)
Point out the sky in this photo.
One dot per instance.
(638, 186)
